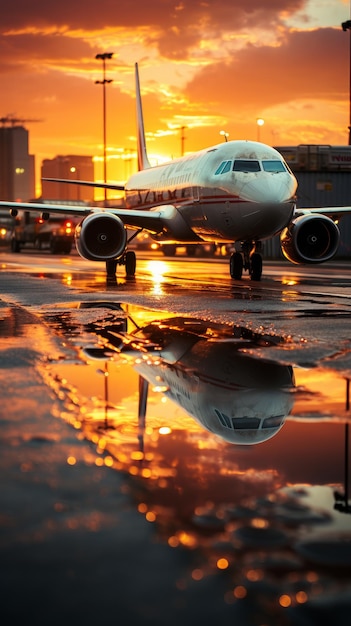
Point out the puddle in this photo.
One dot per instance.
(231, 454)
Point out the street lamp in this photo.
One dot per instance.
(102, 57)
(347, 26)
(259, 123)
(224, 134)
(74, 170)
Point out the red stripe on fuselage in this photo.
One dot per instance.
(220, 199)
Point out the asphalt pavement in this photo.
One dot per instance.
(77, 542)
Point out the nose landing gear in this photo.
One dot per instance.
(249, 259)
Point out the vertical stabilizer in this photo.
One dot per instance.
(143, 161)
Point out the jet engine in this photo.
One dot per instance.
(101, 237)
(310, 238)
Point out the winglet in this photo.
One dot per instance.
(143, 161)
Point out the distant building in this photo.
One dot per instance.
(17, 166)
(323, 174)
(71, 167)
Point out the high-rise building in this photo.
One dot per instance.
(71, 167)
(17, 166)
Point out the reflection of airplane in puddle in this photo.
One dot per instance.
(207, 370)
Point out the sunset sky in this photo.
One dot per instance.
(206, 65)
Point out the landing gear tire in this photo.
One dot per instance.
(191, 250)
(15, 245)
(130, 264)
(236, 266)
(67, 248)
(256, 266)
(169, 249)
(111, 268)
(54, 246)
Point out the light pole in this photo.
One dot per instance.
(102, 57)
(347, 26)
(182, 139)
(224, 134)
(75, 171)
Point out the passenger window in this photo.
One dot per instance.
(273, 166)
(246, 165)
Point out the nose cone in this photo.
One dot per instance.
(267, 187)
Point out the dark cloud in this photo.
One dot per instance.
(311, 64)
(19, 51)
(175, 26)
(75, 14)
(40, 69)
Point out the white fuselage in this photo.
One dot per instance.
(238, 190)
(240, 398)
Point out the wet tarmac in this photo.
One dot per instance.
(182, 461)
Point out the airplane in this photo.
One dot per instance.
(206, 369)
(239, 191)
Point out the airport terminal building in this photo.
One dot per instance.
(70, 167)
(324, 179)
(17, 166)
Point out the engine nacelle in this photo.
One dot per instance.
(101, 237)
(310, 238)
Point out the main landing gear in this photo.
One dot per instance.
(249, 259)
(128, 259)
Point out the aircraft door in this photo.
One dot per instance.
(196, 194)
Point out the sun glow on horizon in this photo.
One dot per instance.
(197, 69)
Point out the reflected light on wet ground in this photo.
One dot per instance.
(67, 279)
(157, 269)
(232, 456)
(192, 361)
(290, 280)
(321, 394)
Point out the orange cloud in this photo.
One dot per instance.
(203, 64)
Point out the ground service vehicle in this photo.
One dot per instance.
(55, 234)
(143, 241)
(6, 227)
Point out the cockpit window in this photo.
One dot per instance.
(273, 166)
(224, 167)
(246, 165)
(273, 422)
(246, 423)
(220, 167)
(227, 167)
(249, 423)
(224, 419)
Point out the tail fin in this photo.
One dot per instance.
(143, 161)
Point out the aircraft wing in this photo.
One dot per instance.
(85, 183)
(154, 220)
(41, 207)
(334, 212)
